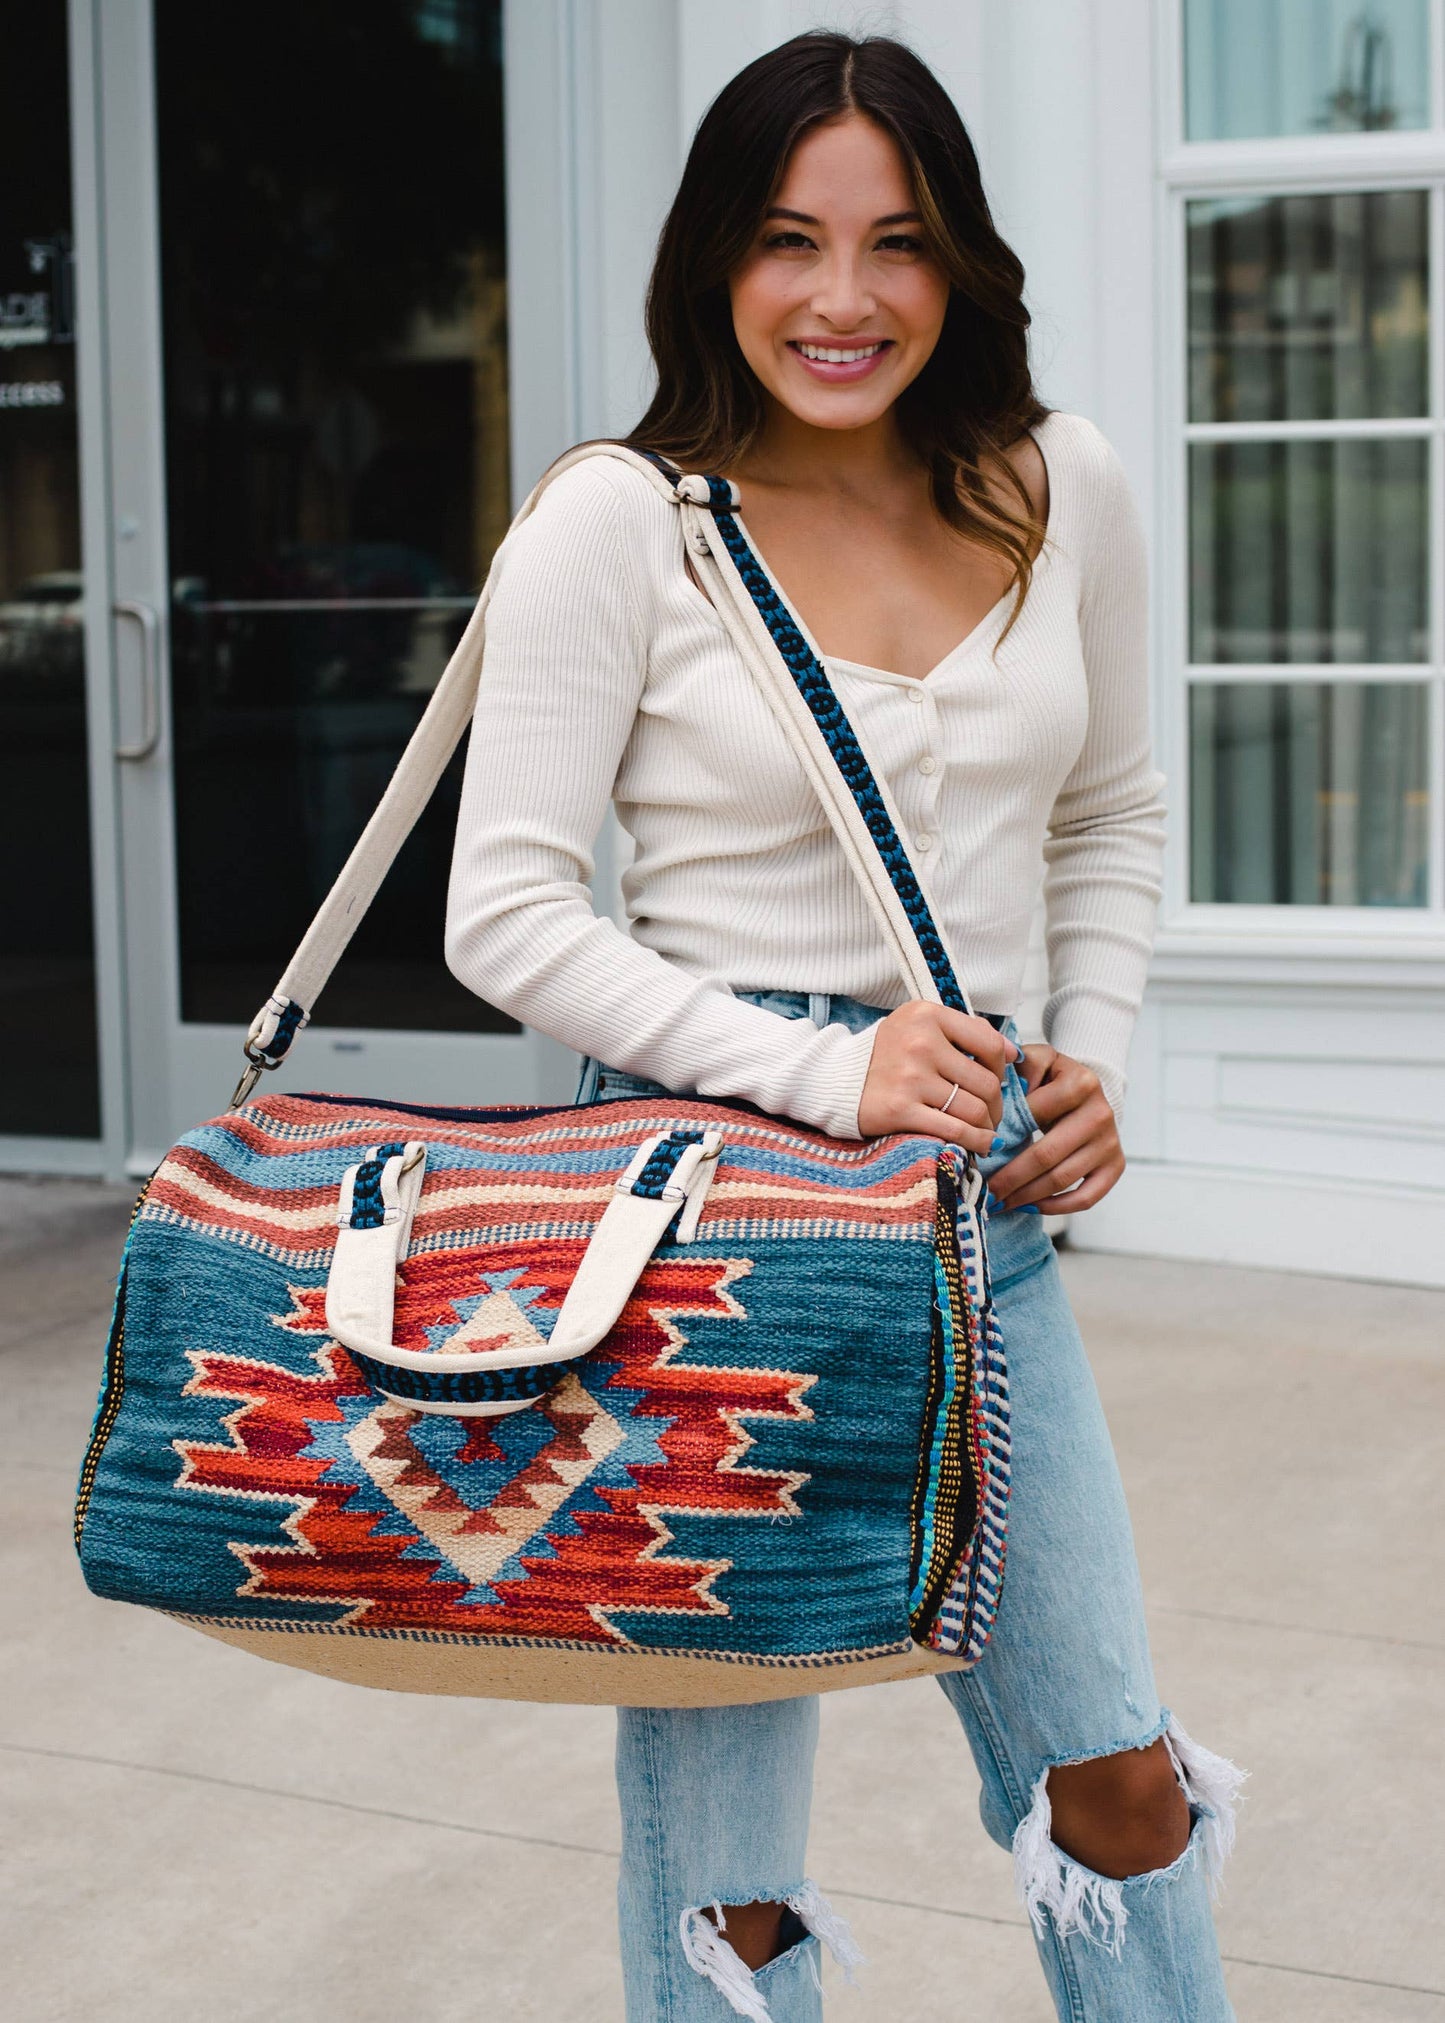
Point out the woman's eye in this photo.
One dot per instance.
(900, 242)
(787, 242)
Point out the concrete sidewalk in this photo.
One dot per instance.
(192, 1833)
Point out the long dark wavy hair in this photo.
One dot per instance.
(972, 400)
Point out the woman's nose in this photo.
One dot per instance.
(842, 297)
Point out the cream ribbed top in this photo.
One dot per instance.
(608, 675)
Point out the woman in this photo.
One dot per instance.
(839, 329)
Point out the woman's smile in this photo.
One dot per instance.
(839, 364)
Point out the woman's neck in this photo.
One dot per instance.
(792, 453)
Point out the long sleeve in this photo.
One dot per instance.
(1105, 841)
(563, 676)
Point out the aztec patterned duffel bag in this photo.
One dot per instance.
(654, 1401)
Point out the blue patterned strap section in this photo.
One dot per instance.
(268, 1042)
(368, 1209)
(661, 1164)
(277, 1025)
(810, 678)
(478, 1392)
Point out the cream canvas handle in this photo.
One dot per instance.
(462, 1378)
(447, 715)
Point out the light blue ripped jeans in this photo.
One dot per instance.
(715, 1801)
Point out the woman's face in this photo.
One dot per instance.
(839, 303)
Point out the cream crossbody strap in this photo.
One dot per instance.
(446, 716)
(790, 672)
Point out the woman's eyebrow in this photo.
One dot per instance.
(803, 218)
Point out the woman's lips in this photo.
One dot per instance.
(835, 370)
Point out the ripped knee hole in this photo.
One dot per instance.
(800, 1914)
(1078, 1898)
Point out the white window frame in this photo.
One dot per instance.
(1405, 944)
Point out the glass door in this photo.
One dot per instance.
(308, 400)
(50, 1082)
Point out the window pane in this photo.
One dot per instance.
(1259, 67)
(1309, 794)
(334, 281)
(1308, 308)
(50, 1084)
(1307, 551)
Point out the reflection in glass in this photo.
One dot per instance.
(1260, 67)
(1307, 551)
(336, 417)
(50, 1085)
(1309, 793)
(1308, 308)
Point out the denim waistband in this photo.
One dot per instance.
(823, 1008)
(830, 1008)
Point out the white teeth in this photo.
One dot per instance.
(829, 355)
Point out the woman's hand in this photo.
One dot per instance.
(919, 1052)
(1079, 1157)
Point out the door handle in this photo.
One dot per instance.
(150, 635)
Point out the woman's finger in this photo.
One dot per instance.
(930, 1122)
(1090, 1190)
(1057, 1144)
(977, 1038)
(1064, 1174)
(1038, 1058)
(1051, 1100)
(979, 1081)
(1072, 1088)
(965, 1106)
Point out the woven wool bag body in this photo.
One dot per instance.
(655, 1401)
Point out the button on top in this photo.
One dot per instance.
(928, 763)
(915, 693)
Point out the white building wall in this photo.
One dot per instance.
(1287, 1102)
